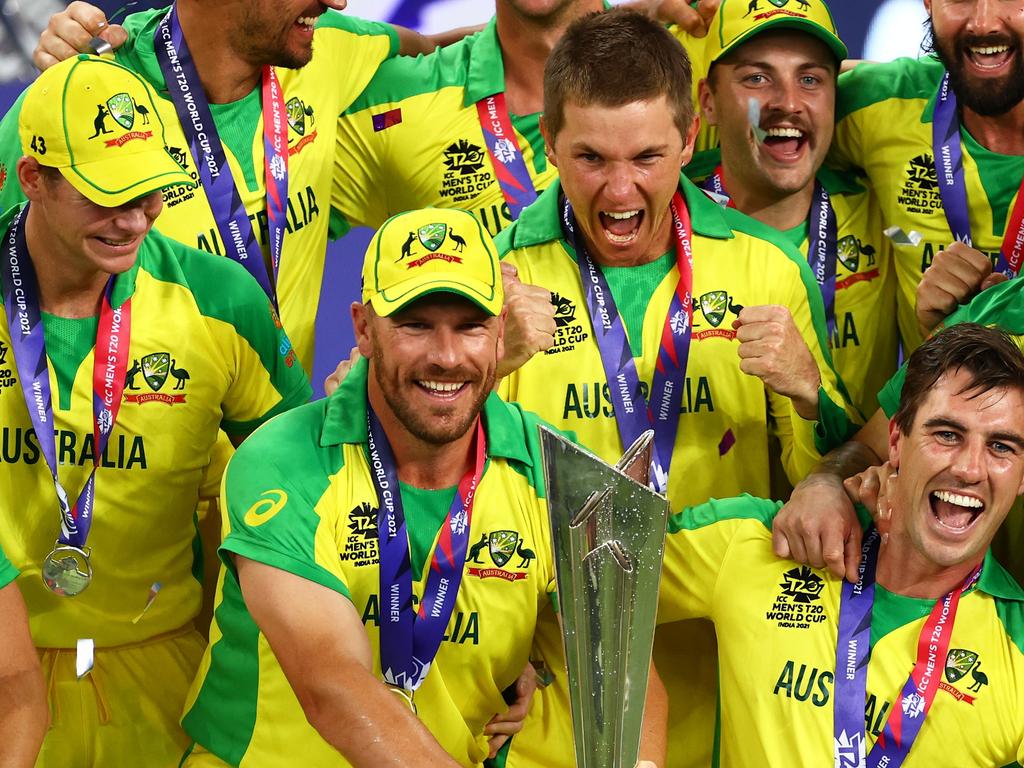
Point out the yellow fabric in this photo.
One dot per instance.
(567, 387)
(777, 628)
(323, 528)
(125, 711)
(117, 157)
(205, 372)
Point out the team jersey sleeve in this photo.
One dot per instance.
(8, 572)
(802, 440)
(10, 153)
(696, 552)
(357, 47)
(269, 499)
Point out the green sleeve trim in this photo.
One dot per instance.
(357, 26)
(238, 544)
(8, 572)
(10, 153)
(869, 84)
(703, 165)
(337, 225)
(834, 426)
(889, 396)
(744, 507)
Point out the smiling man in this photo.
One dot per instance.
(942, 140)
(670, 311)
(786, 66)
(814, 670)
(125, 353)
(412, 484)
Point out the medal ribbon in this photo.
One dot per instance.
(822, 246)
(949, 172)
(506, 157)
(853, 653)
(233, 224)
(633, 415)
(408, 642)
(28, 342)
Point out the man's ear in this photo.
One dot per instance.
(361, 328)
(549, 142)
(706, 99)
(895, 444)
(30, 176)
(690, 140)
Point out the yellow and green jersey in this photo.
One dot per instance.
(777, 626)
(884, 126)
(8, 572)
(707, 136)
(1001, 306)
(864, 344)
(347, 53)
(312, 463)
(205, 353)
(726, 416)
(413, 138)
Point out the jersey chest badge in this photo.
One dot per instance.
(157, 370)
(502, 548)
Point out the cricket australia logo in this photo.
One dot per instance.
(849, 250)
(155, 369)
(432, 237)
(960, 663)
(755, 5)
(300, 117)
(501, 547)
(121, 108)
(714, 305)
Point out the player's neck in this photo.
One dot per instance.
(419, 463)
(525, 45)
(1003, 134)
(225, 75)
(68, 287)
(903, 570)
(783, 211)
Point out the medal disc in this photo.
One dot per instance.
(67, 571)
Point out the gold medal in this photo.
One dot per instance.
(67, 570)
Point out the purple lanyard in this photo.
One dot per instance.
(822, 246)
(28, 342)
(506, 157)
(233, 224)
(949, 172)
(408, 642)
(633, 415)
(853, 652)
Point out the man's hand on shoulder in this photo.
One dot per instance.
(71, 31)
(955, 276)
(530, 322)
(772, 349)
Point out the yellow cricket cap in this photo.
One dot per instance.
(739, 20)
(96, 122)
(433, 250)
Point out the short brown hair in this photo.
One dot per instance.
(613, 58)
(989, 355)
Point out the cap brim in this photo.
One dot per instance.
(807, 26)
(111, 183)
(404, 293)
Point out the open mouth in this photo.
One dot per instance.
(989, 57)
(446, 390)
(621, 227)
(785, 143)
(306, 23)
(122, 245)
(956, 512)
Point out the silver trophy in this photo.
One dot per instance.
(608, 529)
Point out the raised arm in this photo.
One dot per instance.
(318, 638)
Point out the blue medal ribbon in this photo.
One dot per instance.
(949, 172)
(207, 150)
(853, 652)
(506, 157)
(634, 415)
(28, 343)
(409, 641)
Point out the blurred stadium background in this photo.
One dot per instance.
(872, 29)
